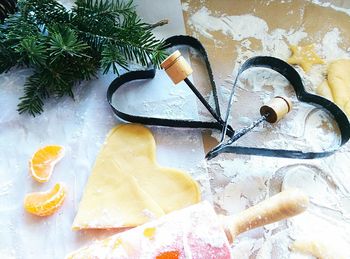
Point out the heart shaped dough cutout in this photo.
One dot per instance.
(127, 187)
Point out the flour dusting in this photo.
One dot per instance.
(238, 27)
(333, 6)
(275, 43)
(330, 46)
(239, 182)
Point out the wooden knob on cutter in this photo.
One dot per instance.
(176, 67)
(276, 109)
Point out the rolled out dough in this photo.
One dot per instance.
(337, 85)
(127, 187)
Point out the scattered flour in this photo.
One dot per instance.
(273, 43)
(238, 27)
(330, 46)
(239, 182)
(185, 6)
(333, 6)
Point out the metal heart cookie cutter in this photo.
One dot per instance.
(178, 70)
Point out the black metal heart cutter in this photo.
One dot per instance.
(178, 70)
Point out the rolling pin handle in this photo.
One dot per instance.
(283, 205)
(176, 67)
(276, 109)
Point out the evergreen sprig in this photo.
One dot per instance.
(64, 47)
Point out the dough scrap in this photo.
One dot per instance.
(336, 87)
(315, 248)
(127, 187)
(325, 91)
(305, 56)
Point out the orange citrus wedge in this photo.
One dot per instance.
(45, 203)
(43, 161)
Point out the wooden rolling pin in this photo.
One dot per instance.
(194, 232)
(280, 206)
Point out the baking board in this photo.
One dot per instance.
(238, 181)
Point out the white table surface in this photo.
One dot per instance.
(80, 126)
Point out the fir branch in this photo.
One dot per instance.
(64, 42)
(111, 57)
(134, 39)
(34, 93)
(65, 47)
(32, 51)
(43, 12)
(6, 7)
(158, 24)
(8, 59)
(93, 9)
(16, 29)
(119, 26)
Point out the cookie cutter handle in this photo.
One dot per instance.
(276, 109)
(176, 67)
(272, 112)
(178, 70)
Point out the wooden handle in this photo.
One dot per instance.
(176, 67)
(276, 109)
(281, 206)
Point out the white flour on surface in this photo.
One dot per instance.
(238, 27)
(81, 126)
(333, 6)
(330, 46)
(274, 43)
(239, 182)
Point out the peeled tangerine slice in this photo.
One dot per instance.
(45, 203)
(44, 160)
(127, 187)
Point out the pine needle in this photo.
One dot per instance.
(64, 47)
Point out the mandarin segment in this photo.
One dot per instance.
(44, 160)
(169, 255)
(45, 203)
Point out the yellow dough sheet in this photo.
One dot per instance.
(337, 85)
(127, 187)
